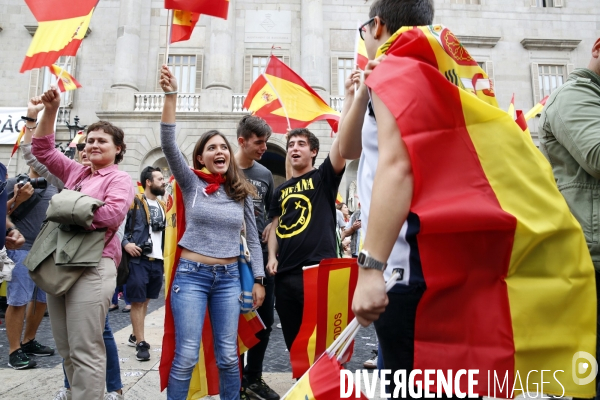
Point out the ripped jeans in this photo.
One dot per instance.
(197, 286)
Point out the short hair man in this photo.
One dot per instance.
(143, 241)
(252, 136)
(384, 173)
(304, 224)
(570, 138)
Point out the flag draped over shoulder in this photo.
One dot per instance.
(183, 25)
(205, 377)
(214, 8)
(62, 25)
(279, 95)
(510, 282)
(328, 292)
(66, 81)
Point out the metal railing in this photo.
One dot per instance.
(336, 102)
(237, 104)
(148, 102)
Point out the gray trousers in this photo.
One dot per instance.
(77, 320)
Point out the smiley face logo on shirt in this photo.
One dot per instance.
(297, 212)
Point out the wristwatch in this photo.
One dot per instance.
(368, 262)
(261, 280)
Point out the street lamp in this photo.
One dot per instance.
(73, 129)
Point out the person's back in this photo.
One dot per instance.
(570, 140)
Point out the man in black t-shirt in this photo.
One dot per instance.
(304, 223)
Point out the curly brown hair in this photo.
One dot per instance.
(236, 185)
(117, 134)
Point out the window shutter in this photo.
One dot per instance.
(34, 83)
(161, 61)
(286, 60)
(489, 69)
(199, 71)
(535, 82)
(247, 72)
(69, 96)
(558, 3)
(570, 68)
(534, 4)
(334, 76)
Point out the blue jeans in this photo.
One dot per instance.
(197, 286)
(113, 370)
(115, 299)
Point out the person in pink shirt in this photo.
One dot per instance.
(77, 318)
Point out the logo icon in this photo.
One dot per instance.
(580, 367)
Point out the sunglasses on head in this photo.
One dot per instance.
(80, 146)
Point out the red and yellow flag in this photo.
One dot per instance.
(183, 25)
(18, 142)
(361, 58)
(215, 8)
(536, 109)
(66, 81)
(205, 378)
(62, 25)
(507, 268)
(328, 292)
(280, 96)
(339, 199)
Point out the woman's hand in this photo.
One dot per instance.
(258, 295)
(352, 83)
(51, 99)
(167, 81)
(34, 106)
(15, 239)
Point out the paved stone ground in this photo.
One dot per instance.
(276, 359)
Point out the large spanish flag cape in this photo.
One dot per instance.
(205, 378)
(62, 25)
(510, 282)
(283, 99)
(328, 292)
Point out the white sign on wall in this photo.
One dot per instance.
(11, 123)
(268, 26)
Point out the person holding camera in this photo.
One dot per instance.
(143, 241)
(29, 196)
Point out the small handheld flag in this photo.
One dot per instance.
(536, 109)
(183, 25)
(18, 142)
(65, 80)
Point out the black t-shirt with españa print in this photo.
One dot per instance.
(306, 209)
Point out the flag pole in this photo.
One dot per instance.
(169, 32)
(280, 100)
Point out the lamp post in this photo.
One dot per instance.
(73, 129)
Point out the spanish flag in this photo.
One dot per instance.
(140, 188)
(205, 378)
(183, 25)
(66, 81)
(510, 282)
(328, 292)
(280, 97)
(360, 53)
(62, 25)
(537, 109)
(18, 142)
(214, 8)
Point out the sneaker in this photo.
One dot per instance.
(258, 389)
(113, 396)
(62, 394)
(34, 347)
(131, 342)
(19, 360)
(143, 353)
(371, 363)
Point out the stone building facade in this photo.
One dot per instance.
(526, 46)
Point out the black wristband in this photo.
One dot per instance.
(29, 119)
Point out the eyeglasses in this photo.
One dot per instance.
(362, 29)
(80, 146)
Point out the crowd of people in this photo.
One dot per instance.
(288, 227)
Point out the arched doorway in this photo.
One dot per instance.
(156, 159)
(274, 161)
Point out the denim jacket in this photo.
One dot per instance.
(570, 140)
(140, 232)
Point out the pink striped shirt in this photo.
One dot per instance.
(108, 184)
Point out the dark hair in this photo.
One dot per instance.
(313, 141)
(117, 134)
(249, 124)
(236, 185)
(147, 174)
(398, 13)
(340, 205)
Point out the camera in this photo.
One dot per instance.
(36, 183)
(146, 247)
(158, 226)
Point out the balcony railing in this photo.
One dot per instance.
(336, 102)
(238, 103)
(148, 102)
(64, 115)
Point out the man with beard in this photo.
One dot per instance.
(143, 240)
